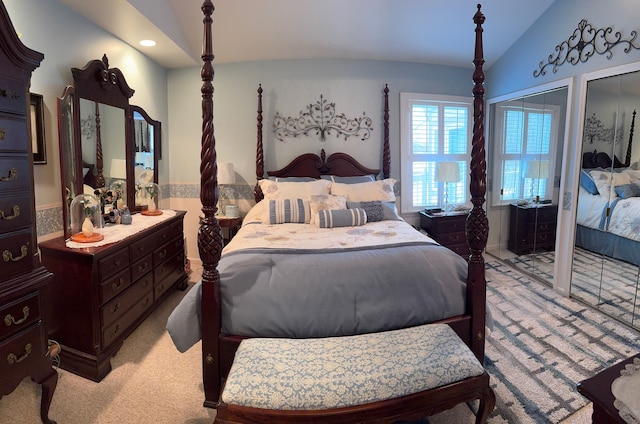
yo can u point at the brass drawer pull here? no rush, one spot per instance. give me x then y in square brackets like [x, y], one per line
[116, 329]
[163, 253]
[145, 302]
[3, 133]
[7, 92]
[8, 256]
[16, 213]
[12, 358]
[142, 267]
[13, 174]
[9, 319]
[116, 285]
[115, 307]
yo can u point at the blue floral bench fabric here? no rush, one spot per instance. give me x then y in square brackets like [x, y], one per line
[337, 372]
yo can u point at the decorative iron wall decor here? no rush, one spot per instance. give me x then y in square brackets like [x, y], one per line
[595, 131]
[321, 119]
[584, 43]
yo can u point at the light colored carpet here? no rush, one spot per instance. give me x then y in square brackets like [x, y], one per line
[152, 382]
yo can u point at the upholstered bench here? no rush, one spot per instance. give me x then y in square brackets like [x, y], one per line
[380, 377]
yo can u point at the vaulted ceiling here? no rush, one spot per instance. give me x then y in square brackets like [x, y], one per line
[423, 31]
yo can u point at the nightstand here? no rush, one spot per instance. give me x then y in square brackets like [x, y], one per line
[448, 229]
[231, 224]
[532, 228]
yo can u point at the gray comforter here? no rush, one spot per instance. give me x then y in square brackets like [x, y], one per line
[317, 293]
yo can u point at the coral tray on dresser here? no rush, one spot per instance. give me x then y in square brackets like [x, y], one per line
[101, 293]
[23, 280]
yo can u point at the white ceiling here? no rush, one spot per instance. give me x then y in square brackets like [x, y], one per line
[424, 31]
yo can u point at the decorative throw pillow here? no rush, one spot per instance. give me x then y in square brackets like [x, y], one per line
[341, 218]
[381, 190]
[586, 181]
[349, 180]
[376, 210]
[325, 202]
[607, 181]
[293, 190]
[282, 211]
[628, 190]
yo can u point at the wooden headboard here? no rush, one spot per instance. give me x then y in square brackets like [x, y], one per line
[313, 166]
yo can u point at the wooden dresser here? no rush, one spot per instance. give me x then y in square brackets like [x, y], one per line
[532, 228]
[23, 280]
[99, 295]
[448, 229]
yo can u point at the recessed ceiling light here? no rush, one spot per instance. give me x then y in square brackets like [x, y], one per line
[148, 43]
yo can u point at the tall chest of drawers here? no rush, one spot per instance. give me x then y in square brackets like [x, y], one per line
[23, 280]
[100, 295]
[532, 228]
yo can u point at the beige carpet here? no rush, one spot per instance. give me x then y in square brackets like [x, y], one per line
[151, 382]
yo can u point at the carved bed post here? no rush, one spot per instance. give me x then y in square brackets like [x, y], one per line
[386, 154]
[477, 225]
[257, 191]
[209, 234]
[627, 160]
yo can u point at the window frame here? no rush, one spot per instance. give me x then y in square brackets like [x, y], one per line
[499, 157]
[407, 100]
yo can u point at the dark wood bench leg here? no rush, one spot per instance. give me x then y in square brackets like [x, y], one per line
[487, 403]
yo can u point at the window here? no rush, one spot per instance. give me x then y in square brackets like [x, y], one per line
[434, 129]
[525, 136]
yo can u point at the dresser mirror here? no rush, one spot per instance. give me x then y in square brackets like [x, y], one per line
[103, 139]
[606, 261]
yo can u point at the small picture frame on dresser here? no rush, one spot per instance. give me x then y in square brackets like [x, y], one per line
[36, 110]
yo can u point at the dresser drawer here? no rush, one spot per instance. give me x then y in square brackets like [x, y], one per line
[142, 248]
[13, 137]
[113, 263]
[22, 353]
[165, 251]
[15, 212]
[449, 239]
[120, 326]
[19, 314]
[121, 304]
[115, 285]
[170, 275]
[12, 95]
[17, 250]
[141, 267]
[15, 173]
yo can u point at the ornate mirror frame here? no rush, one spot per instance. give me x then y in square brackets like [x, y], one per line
[109, 92]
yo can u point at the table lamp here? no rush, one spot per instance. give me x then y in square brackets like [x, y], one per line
[536, 170]
[447, 172]
[226, 177]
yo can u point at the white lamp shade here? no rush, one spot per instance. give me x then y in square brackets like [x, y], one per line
[447, 172]
[118, 169]
[226, 174]
[537, 169]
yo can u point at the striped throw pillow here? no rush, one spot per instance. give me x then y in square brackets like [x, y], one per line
[283, 211]
[330, 218]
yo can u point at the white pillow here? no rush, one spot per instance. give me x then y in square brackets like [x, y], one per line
[273, 190]
[323, 202]
[607, 181]
[381, 190]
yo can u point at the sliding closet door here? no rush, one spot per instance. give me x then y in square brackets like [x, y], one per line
[528, 137]
[606, 265]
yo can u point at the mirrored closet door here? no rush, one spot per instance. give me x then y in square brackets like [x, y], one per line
[606, 263]
[527, 138]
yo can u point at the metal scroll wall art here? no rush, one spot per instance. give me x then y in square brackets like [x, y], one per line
[584, 43]
[595, 131]
[321, 119]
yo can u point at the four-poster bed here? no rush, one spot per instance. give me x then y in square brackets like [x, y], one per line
[609, 204]
[218, 347]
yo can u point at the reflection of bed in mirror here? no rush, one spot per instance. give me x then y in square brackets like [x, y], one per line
[608, 215]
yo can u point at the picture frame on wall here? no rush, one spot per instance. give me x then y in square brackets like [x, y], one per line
[37, 129]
